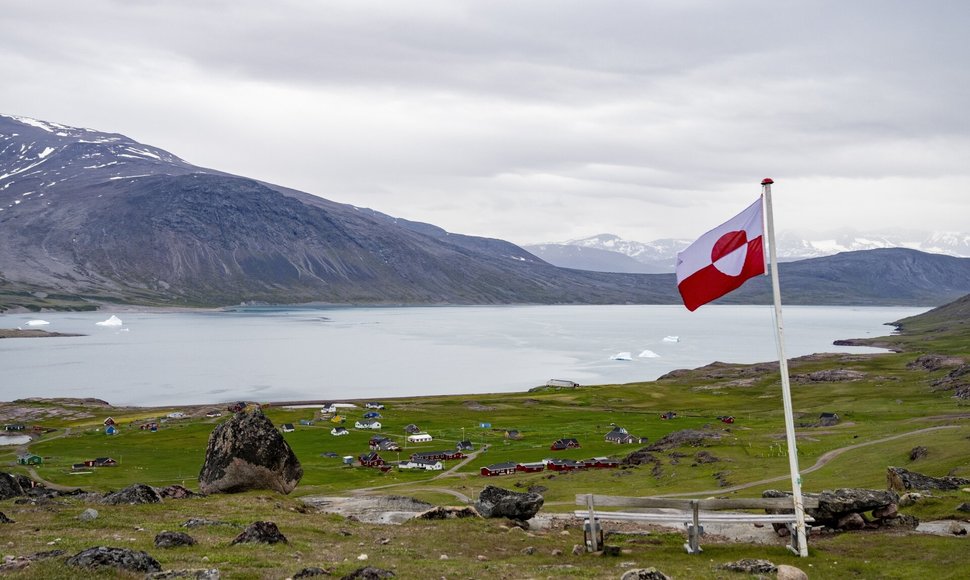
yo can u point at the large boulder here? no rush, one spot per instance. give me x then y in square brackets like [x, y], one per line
[835, 505]
[247, 452]
[133, 494]
[131, 560]
[260, 533]
[495, 502]
[901, 479]
[10, 486]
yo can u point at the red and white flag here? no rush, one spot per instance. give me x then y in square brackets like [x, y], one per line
[722, 259]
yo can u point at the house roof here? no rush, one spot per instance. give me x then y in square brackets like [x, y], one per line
[504, 465]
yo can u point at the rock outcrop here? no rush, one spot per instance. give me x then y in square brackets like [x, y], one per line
[261, 533]
[900, 479]
[247, 452]
[133, 494]
[853, 509]
[495, 502]
[10, 486]
[130, 560]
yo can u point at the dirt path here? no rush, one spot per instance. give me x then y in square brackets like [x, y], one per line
[36, 477]
[822, 462]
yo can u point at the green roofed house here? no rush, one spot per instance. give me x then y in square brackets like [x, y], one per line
[29, 459]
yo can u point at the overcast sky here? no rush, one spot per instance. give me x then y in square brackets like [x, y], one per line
[531, 121]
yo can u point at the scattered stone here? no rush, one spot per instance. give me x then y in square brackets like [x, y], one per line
[495, 502]
[137, 493]
[956, 379]
[248, 452]
[196, 573]
[610, 551]
[537, 488]
[369, 573]
[683, 438]
[644, 574]
[177, 492]
[908, 499]
[481, 558]
[12, 564]
[963, 507]
[199, 522]
[5, 520]
[918, 452]
[956, 529]
[529, 550]
[311, 572]
[851, 521]
[448, 513]
[703, 457]
[786, 572]
[123, 558]
[443, 557]
[260, 532]
[578, 550]
[889, 511]
[900, 522]
[900, 479]
[557, 552]
[46, 555]
[750, 566]
[88, 515]
[173, 539]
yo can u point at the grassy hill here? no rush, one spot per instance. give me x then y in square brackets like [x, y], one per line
[887, 403]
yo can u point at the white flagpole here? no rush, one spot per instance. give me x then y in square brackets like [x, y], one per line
[796, 478]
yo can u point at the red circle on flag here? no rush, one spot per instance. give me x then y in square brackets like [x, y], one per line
[728, 243]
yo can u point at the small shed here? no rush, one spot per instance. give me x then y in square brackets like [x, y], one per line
[110, 430]
[29, 459]
[828, 419]
[109, 421]
[513, 434]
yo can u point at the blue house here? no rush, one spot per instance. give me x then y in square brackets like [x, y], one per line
[110, 430]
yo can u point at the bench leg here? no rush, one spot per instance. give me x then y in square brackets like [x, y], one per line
[794, 547]
[592, 535]
[694, 533]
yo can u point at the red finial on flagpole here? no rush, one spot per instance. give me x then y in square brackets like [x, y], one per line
[767, 181]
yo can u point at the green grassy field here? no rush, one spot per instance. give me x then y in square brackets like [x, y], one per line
[884, 414]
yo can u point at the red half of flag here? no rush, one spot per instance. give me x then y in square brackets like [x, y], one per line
[722, 259]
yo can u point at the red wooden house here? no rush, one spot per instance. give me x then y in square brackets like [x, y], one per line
[371, 459]
[507, 468]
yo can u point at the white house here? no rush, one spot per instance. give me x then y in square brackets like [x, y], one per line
[419, 464]
[176, 415]
[368, 424]
[337, 431]
[419, 438]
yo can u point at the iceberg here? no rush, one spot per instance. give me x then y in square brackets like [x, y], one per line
[621, 356]
[113, 321]
[37, 323]
[671, 339]
[649, 354]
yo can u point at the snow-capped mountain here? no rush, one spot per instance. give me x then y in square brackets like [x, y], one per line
[660, 255]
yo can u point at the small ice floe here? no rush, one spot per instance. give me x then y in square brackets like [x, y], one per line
[113, 321]
[622, 356]
[37, 323]
[649, 354]
[671, 339]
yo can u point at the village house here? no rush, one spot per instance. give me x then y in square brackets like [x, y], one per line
[560, 444]
[427, 465]
[338, 431]
[287, 428]
[601, 463]
[531, 467]
[110, 430]
[373, 405]
[372, 415]
[726, 419]
[101, 462]
[563, 465]
[306, 422]
[669, 415]
[513, 434]
[412, 429]
[15, 427]
[153, 426]
[620, 436]
[371, 459]
[176, 415]
[363, 424]
[213, 414]
[109, 421]
[237, 407]
[388, 445]
[445, 455]
[338, 419]
[561, 383]
[507, 468]
[29, 459]
[420, 438]
[465, 445]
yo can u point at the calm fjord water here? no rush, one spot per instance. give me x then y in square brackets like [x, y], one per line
[341, 353]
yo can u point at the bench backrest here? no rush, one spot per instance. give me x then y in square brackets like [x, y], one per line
[740, 503]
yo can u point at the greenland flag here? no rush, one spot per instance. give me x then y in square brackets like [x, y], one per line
[722, 259]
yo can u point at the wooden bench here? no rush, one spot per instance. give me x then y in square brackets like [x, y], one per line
[688, 512]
